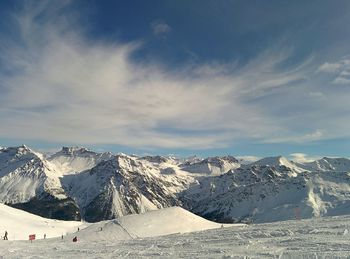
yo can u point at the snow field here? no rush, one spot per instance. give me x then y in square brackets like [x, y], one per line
[311, 238]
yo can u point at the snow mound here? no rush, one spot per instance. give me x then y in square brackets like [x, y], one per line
[164, 222]
[150, 224]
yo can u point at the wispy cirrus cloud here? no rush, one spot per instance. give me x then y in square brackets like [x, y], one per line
[62, 87]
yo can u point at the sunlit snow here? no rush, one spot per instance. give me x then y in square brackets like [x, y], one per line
[312, 238]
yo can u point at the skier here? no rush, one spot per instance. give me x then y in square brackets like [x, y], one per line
[5, 236]
[75, 239]
[44, 236]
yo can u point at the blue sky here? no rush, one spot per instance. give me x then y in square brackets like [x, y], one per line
[253, 78]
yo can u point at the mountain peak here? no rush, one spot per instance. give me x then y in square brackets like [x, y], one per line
[156, 159]
[330, 164]
[271, 161]
[74, 150]
[279, 161]
[18, 151]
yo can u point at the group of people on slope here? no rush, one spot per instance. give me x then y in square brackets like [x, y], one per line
[75, 239]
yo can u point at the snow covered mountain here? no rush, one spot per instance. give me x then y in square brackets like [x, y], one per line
[211, 165]
[270, 193]
[78, 183]
[28, 182]
[124, 185]
[76, 159]
[329, 164]
[76, 180]
[279, 161]
[322, 165]
[159, 159]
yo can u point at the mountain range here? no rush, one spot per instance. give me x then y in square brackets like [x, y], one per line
[76, 183]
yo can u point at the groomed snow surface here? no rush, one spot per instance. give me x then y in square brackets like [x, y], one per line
[169, 233]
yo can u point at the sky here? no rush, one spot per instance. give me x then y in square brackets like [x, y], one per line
[246, 78]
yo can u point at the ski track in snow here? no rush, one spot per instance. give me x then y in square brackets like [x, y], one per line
[312, 238]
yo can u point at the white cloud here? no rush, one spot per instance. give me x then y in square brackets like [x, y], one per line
[303, 158]
[160, 28]
[344, 73]
[341, 80]
[340, 69]
[304, 138]
[330, 67]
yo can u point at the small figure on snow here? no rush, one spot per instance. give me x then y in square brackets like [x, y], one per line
[75, 239]
[44, 236]
[5, 236]
[78, 229]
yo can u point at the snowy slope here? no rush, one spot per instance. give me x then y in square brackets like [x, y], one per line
[20, 224]
[164, 222]
[150, 224]
[313, 238]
